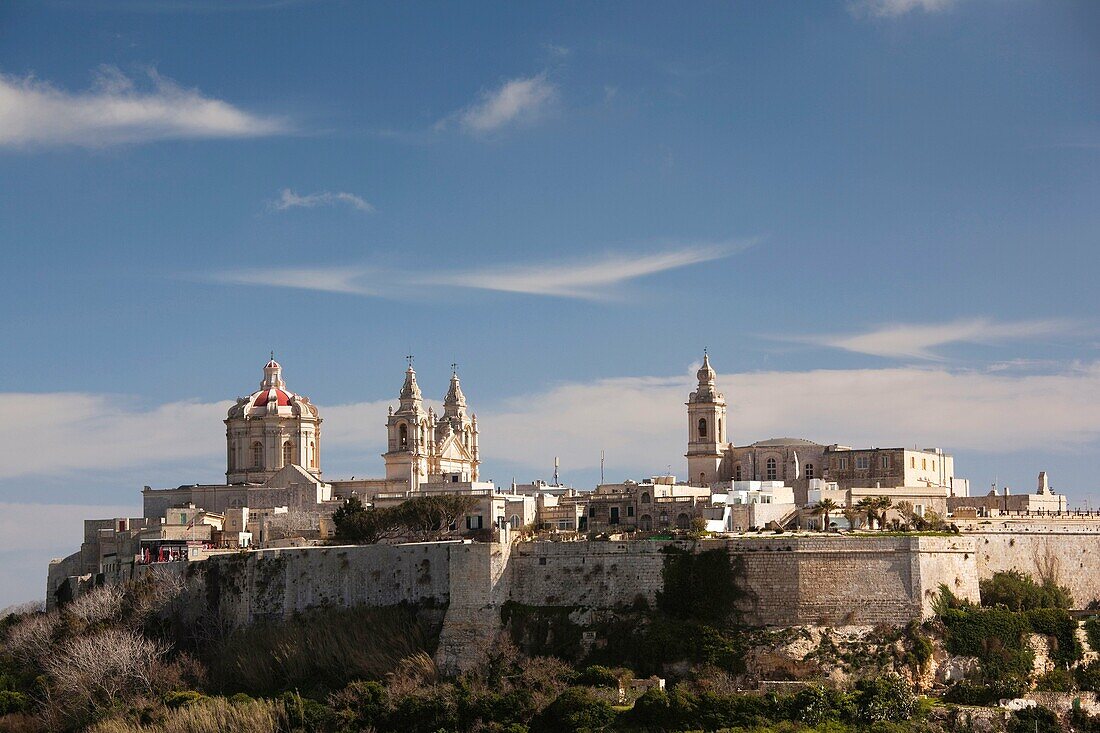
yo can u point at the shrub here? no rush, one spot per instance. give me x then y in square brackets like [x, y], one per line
[181, 698]
[995, 636]
[1056, 680]
[598, 676]
[1034, 720]
[651, 710]
[973, 693]
[575, 709]
[815, 704]
[1088, 676]
[1019, 592]
[887, 698]
[13, 702]
[1059, 625]
[1092, 631]
[360, 705]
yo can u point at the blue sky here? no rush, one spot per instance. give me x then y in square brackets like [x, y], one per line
[879, 216]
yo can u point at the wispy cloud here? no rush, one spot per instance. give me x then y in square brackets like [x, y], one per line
[323, 279]
[114, 111]
[289, 200]
[517, 100]
[920, 341]
[895, 8]
[590, 279]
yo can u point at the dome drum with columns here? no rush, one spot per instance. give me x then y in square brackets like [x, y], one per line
[270, 429]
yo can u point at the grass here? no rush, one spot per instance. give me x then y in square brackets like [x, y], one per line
[213, 715]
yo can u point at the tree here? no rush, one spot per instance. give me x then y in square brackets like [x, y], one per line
[866, 507]
[825, 507]
[424, 516]
[881, 505]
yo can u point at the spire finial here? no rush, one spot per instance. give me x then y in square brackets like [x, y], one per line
[409, 358]
[273, 355]
[454, 369]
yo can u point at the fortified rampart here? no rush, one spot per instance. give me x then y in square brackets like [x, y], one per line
[786, 580]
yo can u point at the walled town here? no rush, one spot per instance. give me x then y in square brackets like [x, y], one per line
[821, 559]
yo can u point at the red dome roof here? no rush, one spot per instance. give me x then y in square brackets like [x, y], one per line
[266, 395]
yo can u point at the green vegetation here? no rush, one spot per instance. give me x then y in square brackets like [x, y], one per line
[425, 517]
[1018, 592]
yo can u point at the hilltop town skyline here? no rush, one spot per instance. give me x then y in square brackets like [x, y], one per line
[876, 216]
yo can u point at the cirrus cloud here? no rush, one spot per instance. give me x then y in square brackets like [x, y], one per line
[113, 111]
[290, 200]
[516, 100]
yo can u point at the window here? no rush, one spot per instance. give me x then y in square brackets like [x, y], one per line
[454, 478]
[885, 462]
[809, 470]
[843, 464]
[718, 435]
[473, 521]
[312, 455]
[737, 472]
[592, 511]
[772, 472]
[514, 521]
[288, 453]
[645, 497]
[702, 479]
[924, 464]
[232, 456]
[403, 436]
[614, 515]
[863, 462]
[683, 521]
[562, 524]
[630, 511]
[912, 461]
[645, 523]
[702, 428]
[933, 465]
[664, 519]
[257, 454]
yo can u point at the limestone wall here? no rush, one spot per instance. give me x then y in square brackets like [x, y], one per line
[1069, 556]
[789, 580]
[236, 590]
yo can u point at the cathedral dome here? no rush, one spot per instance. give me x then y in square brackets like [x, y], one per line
[272, 398]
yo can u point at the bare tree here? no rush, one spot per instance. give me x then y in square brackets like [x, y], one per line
[31, 640]
[102, 603]
[97, 670]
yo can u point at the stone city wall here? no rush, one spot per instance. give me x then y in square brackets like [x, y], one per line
[788, 580]
[1068, 556]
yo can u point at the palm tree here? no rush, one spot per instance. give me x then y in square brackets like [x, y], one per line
[826, 507]
[882, 504]
[866, 506]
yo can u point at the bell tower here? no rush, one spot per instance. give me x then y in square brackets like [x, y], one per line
[411, 434]
[706, 427]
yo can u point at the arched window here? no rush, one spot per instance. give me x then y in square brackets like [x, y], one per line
[288, 453]
[466, 437]
[513, 521]
[702, 479]
[232, 457]
[403, 434]
[683, 521]
[771, 470]
[645, 523]
[257, 454]
[718, 434]
[810, 470]
[645, 497]
[702, 427]
[737, 472]
[312, 455]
